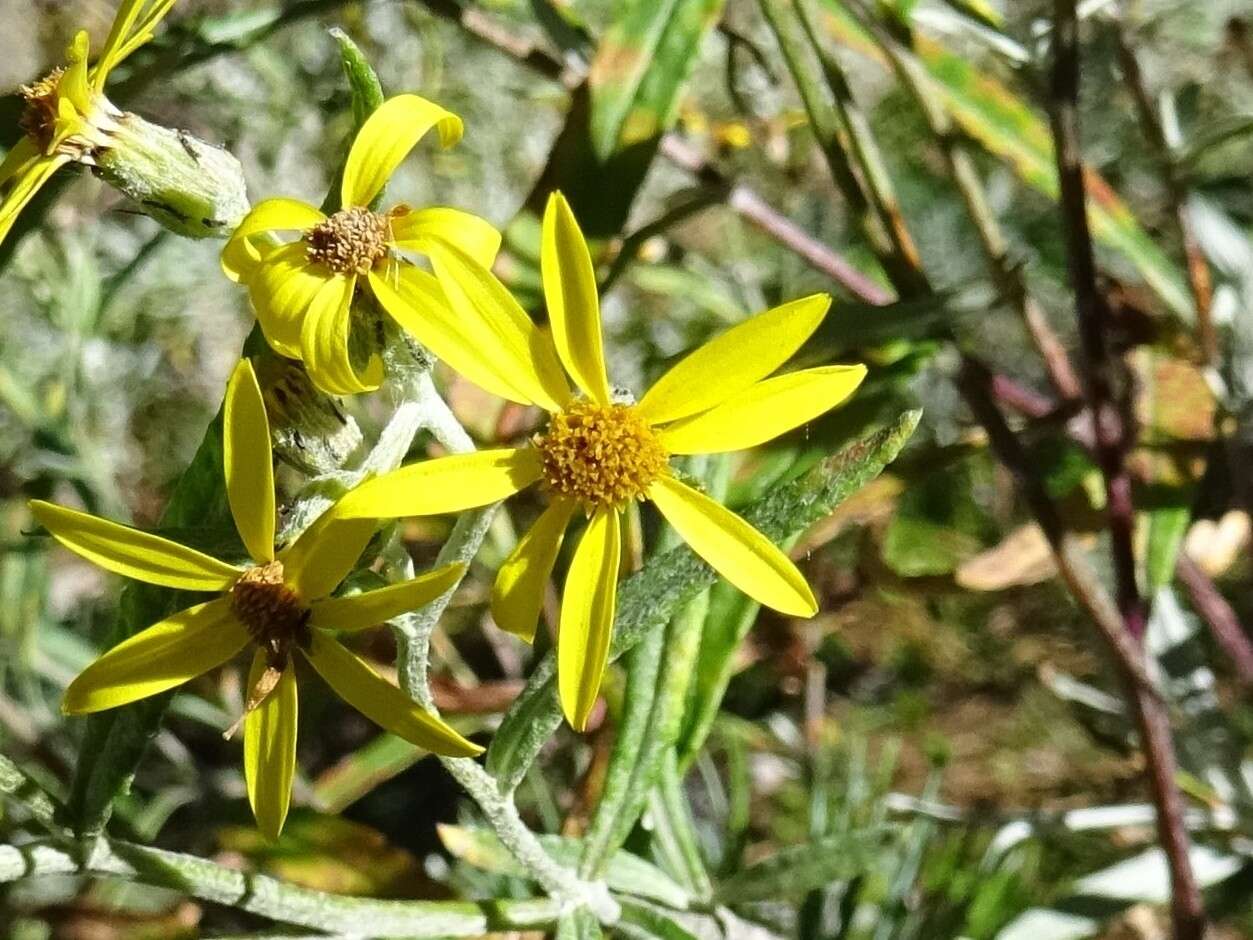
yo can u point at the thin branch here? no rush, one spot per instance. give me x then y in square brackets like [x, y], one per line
[1114, 434]
[1214, 610]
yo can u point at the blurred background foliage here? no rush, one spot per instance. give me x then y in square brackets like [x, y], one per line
[948, 730]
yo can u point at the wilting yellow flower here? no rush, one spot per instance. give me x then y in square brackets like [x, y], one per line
[302, 291]
[280, 604]
[190, 187]
[600, 451]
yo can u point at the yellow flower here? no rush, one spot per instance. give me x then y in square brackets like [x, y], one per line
[302, 291]
[600, 450]
[280, 604]
[66, 117]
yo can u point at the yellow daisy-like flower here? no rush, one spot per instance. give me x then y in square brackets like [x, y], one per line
[280, 604]
[302, 291]
[67, 117]
[600, 451]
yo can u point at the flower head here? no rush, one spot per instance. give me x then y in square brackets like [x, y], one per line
[280, 605]
[303, 290]
[598, 453]
[185, 184]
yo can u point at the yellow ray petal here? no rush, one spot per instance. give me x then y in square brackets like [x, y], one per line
[573, 303]
[733, 361]
[526, 355]
[19, 158]
[360, 611]
[763, 411]
[734, 548]
[386, 139]
[249, 463]
[445, 484]
[587, 610]
[167, 654]
[243, 249]
[270, 748]
[518, 595]
[365, 690]
[282, 288]
[139, 555]
[324, 342]
[74, 86]
[26, 182]
[469, 344]
[324, 553]
[414, 228]
[129, 32]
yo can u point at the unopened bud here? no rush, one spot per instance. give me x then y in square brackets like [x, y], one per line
[189, 186]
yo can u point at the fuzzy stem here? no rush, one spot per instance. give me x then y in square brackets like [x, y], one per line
[415, 629]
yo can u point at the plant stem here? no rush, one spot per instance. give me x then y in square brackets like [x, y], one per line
[415, 631]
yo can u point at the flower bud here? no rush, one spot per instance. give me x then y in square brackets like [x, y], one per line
[189, 186]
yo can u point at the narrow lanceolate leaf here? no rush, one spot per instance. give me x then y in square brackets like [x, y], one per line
[115, 740]
[643, 61]
[578, 924]
[797, 870]
[616, 119]
[648, 599]
[367, 95]
[1007, 127]
[625, 874]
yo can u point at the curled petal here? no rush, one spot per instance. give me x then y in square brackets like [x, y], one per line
[386, 139]
[733, 361]
[134, 554]
[369, 693]
[324, 342]
[763, 411]
[282, 288]
[734, 548]
[166, 655]
[414, 228]
[244, 249]
[587, 611]
[249, 462]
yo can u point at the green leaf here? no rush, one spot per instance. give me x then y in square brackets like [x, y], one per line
[617, 118]
[799, 869]
[1007, 127]
[114, 741]
[578, 924]
[731, 616]
[643, 60]
[645, 922]
[367, 95]
[648, 599]
[625, 874]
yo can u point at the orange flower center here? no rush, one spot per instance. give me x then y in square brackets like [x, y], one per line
[270, 610]
[601, 455]
[39, 115]
[352, 241]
